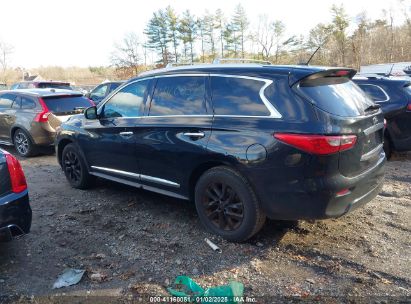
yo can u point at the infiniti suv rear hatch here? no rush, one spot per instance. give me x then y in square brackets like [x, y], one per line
[346, 110]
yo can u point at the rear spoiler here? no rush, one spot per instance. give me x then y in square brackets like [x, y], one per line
[332, 72]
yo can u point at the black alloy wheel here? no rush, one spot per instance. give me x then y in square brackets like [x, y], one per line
[222, 206]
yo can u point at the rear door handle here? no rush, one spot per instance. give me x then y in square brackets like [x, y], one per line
[126, 134]
[194, 134]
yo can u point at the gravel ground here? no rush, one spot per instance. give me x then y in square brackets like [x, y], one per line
[133, 243]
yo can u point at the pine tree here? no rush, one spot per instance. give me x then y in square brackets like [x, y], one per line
[240, 24]
[188, 30]
[173, 24]
[158, 35]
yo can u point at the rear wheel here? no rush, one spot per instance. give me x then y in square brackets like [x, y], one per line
[227, 205]
[23, 144]
[75, 168]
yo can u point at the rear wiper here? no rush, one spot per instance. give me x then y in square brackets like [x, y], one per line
[372, 107]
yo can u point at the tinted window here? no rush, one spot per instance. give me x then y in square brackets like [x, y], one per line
[16, 103]
[237, 96]
[183, 95]
[6, 101]
[336, 95]
[27, 103]
[114, 86]
[44, 85]
[375, 92]
[64, 104]
[126, 102]
[100, 91]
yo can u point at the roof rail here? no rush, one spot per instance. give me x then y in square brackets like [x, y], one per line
[243, 60]
[173, 64]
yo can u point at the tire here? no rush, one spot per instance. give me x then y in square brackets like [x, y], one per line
[75, 169]
[227, 205]
[387, 147]
[23, 144]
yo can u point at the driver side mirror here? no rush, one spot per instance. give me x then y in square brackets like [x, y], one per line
[91, 113]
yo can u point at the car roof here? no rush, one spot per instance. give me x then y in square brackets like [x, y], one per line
[382, 79]
[45, 81]
[44, 92]
[295, 71]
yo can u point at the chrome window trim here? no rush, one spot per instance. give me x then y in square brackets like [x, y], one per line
[142, 177]
[273, 111]
[387, 98]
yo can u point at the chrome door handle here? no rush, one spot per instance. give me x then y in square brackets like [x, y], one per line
[126, 134]
[194, 134]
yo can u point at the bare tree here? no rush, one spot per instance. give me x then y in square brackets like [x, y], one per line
[269, 34]
[126, 56]
[5, 51]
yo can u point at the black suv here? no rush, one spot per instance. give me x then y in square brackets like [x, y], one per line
[245, 142]
[394, 97]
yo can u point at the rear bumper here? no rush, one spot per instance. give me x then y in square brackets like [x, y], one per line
[15, 215]
[317, 198]
[42, 134]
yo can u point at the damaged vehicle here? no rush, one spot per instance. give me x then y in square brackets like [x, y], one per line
[243, 141]
[15, 211]
[29, 117]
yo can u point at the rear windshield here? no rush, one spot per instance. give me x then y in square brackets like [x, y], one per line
[45, 85]
[336, 95]
[66, 104]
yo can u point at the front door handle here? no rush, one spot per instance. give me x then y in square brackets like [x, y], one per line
[194, 134]
[127, 134]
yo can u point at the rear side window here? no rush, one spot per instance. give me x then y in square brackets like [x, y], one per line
[237, 96]
[27, 103]
[127, 102]
[6, 101]
[336, 95]
[376, 93]
[64, 104]
[179, 95]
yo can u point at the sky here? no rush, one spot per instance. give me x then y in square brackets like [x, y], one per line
[82, 32]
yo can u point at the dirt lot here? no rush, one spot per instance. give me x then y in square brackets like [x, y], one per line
[139, 242]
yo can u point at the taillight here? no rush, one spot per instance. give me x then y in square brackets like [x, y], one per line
[409, 107]
[318, 144]
[43, 116]
[385, 123]
[17, 178]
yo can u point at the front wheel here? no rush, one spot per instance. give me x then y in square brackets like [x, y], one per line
[75, 168]
[227, 205]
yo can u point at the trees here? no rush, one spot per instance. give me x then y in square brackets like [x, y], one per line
[270, 34]
[173, 29]
[188, 31]
[219, 25]
[340, 24]
[126, 54]
[240, 24]
[5, 51]
[201, 38]
[158, 36]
